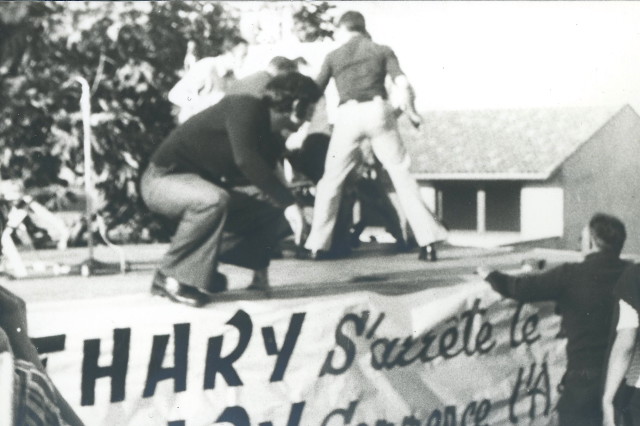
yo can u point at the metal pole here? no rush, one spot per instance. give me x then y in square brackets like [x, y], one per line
[85, 107]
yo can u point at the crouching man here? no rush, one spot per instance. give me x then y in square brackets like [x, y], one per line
[215, 175]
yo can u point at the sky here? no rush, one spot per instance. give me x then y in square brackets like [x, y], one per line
[482, 55]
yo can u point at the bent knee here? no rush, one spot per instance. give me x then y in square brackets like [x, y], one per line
[212, 200]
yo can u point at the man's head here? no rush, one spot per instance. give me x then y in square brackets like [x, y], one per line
[281, 65]
[291, 98]
[352, 21]
[236, 47]
[607, 233]
[350, 24]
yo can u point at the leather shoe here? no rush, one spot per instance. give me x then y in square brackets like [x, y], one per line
[175, 291]
[220, 284]
[428, 253]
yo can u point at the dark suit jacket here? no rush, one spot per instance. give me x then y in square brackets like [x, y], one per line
[584, 294]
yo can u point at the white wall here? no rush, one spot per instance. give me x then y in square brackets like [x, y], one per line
[428, 193]
[541, 210]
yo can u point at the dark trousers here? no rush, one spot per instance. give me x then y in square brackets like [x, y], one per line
[581, 399]
[627, 403]
[237, 226]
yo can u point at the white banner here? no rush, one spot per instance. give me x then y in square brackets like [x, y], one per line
[455, 355]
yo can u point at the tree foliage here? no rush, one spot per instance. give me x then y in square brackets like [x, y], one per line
[313, 21]
[131, 54]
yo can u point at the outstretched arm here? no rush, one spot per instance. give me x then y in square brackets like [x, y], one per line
[548, 285]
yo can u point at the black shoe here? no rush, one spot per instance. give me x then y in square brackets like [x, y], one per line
[220, 284]
[176, 292]
[428, 253]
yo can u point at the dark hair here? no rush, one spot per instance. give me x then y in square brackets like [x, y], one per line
[353, 21]
[284, 89]
[608, 232]
[283, 65]
[232, 42]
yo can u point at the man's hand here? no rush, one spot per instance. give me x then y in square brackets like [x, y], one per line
[405, 98]
[415, 118]
[298, 223]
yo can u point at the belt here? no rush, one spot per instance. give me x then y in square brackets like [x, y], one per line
[362, 99]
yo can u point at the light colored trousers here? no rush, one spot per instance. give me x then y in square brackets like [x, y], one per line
[376, 121]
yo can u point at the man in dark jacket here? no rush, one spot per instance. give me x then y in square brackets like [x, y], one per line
[584, 296]
[215, 174]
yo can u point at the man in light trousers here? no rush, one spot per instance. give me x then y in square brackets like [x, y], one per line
[359, 68]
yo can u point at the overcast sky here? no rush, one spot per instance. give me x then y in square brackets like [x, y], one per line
[512, 54]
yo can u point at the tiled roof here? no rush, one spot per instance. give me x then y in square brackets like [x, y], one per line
[505, 144]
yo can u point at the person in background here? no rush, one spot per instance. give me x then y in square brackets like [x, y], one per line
[359, 68]
[255, 84]
[215, 174]
[33, 397]
[585, 300]
[623, 366]
[206, 81]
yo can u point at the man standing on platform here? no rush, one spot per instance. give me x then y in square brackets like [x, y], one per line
[215, 174]
[359, 68]
[584, 296]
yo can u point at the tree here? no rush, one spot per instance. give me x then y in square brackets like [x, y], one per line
[132, 54]
[312, 21]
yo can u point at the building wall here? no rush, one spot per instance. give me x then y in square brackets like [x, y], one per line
[604, 176]
[541, 207]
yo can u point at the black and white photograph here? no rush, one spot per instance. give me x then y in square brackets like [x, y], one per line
[319, 213]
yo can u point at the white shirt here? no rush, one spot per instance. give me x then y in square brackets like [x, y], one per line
[627, 320]
[202, 86]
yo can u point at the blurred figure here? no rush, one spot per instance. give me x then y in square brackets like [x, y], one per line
[208, 79]
[256, 83]
[190, 57]
[584, 296]
[623, 366]
[215, 174]
[35, 400]
[359, 68]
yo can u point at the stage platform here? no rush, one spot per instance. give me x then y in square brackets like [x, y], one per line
[380, 335]
[373, 266]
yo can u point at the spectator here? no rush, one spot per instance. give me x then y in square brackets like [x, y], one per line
[256, 83]
[584, 296]
[207, 80]
[623, 366]
[36, 401]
